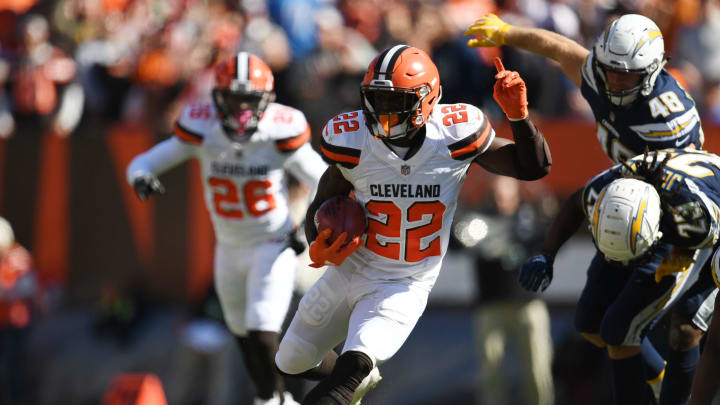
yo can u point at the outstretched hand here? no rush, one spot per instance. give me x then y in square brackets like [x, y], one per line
[323, 254]
[489, 30]
[147, 185]
[537, 273]
[510, 92]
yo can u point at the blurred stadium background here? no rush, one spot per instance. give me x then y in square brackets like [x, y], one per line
[125, 285]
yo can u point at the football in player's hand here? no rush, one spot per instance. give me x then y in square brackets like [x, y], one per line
[341, 214]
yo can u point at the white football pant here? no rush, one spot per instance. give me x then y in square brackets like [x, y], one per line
[372, 316]
[255, 285]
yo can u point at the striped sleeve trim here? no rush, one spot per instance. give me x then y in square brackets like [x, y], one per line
[187, 136]
[346, 157]
[294, 143]
[471, 145]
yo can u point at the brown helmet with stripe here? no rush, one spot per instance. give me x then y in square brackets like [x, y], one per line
[243, 89]
[399, 91]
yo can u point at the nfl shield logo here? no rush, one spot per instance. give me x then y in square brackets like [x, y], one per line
[405, 169]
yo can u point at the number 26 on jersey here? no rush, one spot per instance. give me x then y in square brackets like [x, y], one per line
[226, 197]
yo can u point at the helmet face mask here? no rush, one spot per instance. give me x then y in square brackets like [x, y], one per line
[240, 111]
[632, 44]
[615, 87]
[393, 110]
[242, 92]
[399, 91]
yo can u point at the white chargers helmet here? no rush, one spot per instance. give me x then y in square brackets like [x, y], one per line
[631, 44]
[625, 221]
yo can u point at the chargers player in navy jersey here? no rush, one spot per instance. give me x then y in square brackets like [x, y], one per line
[637, 104]
[654, 220]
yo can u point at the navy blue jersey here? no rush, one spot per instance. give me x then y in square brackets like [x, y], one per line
[691, 185]
[666, 118]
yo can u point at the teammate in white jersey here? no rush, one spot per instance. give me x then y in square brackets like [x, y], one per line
[404, 157]
[244, 143]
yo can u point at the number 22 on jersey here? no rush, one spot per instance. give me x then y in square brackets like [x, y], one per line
[385, 235]
[226, 197]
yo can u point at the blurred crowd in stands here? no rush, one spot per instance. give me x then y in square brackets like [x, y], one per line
[139, 61]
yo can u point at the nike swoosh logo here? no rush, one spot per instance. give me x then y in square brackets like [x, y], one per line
[682, 141]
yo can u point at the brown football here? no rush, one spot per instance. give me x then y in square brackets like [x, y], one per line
[341, 214]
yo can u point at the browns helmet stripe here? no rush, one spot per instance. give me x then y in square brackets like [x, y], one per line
[386, 62]
[243, 66]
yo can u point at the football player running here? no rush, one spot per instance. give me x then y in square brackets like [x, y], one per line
[654, 220]
[244, 142]
[404, 157]
[637, 104]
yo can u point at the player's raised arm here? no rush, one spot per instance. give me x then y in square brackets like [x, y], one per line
[143, 170]
[528, 158]
[491, 31]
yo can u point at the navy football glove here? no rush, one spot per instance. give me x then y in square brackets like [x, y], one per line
[147, 185]
[537, 273]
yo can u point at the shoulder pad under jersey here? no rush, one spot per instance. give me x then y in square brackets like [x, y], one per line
[466, 130]
[194, 121]
[285, 125]
[342, 139]
[670, 115]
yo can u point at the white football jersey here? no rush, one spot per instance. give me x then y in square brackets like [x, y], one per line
[410, 202]
[244, 184]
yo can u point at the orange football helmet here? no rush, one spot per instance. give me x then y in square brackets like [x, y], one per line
[399, 91]
[243, 89]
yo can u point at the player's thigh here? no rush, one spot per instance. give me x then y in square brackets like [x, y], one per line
[604, 283]
[319, 324]
[230, 276]
[643, 302]
[382, 320]
[269, 286]
[698, 303]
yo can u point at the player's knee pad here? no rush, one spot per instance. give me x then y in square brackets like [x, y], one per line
[684, 336]
[295, 356]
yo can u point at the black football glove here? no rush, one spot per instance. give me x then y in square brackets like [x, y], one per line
[537, 273]
[147, 185]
